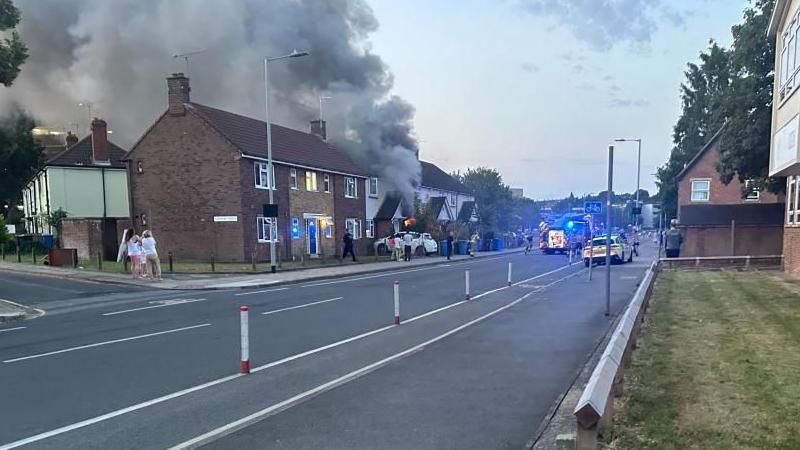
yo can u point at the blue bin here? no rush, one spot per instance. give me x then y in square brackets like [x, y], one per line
[497, 244]
[47, 241]
[462, 247]
[442, 248]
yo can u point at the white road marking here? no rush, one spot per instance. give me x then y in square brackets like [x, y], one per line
[299, 398]
[430, 313]
[12, 329]
[241, 284]
[306, 305]
[161, 305]
[165, 398]
[98, 344]
[262, 292]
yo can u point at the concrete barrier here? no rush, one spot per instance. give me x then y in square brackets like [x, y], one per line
[595, 408]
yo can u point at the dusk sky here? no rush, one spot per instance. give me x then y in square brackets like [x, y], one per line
[539, 88]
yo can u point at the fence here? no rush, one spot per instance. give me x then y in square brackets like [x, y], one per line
[594, 410]
[723, 262]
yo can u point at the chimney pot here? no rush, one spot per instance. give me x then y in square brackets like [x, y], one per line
[99, 141]
[319, 129]
[178, 93]
[71, 139]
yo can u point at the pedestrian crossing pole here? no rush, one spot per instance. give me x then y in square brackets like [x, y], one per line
[509, 273]
[397, 303]
[466, 283]
[244, 366]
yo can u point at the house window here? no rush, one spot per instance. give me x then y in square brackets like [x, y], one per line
[792, 191]
[753, 192]
[350, 187]
[326, 182]
[452, 199]
[262, 175]
[373, 187]
[354, 227]
[789, 61]
[370, 230]
[701, 190]
[267, 229]
[293, 178]
[327, 228]
[311, 181]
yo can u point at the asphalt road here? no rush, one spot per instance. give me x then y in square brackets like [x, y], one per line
[154, 369]
[38, 291]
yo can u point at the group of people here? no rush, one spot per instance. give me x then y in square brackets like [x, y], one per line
[141, 251]
[401, 247]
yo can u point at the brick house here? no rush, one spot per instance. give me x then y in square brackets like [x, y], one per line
[716, 220]
[199, 180]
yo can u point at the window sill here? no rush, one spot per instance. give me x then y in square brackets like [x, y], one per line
[264, 188]
[348, 196]
[787, 96]
[373, 195]
[262, 241]
[699, 201]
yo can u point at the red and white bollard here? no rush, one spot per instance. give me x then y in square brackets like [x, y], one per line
[245, 364]
[397, 303]
[509, 273]
[466, 284]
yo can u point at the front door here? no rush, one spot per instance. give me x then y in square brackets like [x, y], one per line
[313, 238]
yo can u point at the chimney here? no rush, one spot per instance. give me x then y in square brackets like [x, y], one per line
[71, 139]
[99, 141]
[178, 93]
[318, 129]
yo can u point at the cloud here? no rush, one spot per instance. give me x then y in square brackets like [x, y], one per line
[614, 88]
[602, 24]
[608, 78]
[530, 68]
[621, 102]
[586, 86]
[578, 68]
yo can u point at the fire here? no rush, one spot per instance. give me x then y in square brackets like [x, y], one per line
[409, 222]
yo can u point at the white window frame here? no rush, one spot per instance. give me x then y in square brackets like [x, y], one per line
[311, 181]
[262, 228]
[789, 61]
[753, 195]
[262, 171]
[369, 230]
[350, 182]
[354, 227]
[326, 183]
[292, 178]
[452, 198]
[373, 182]
[694, 190]
[792, 197]
[327, 230]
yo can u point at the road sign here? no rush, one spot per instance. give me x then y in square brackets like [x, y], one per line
[592, 207]
[226, 218]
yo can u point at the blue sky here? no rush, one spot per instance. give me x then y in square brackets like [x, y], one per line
[538, 88]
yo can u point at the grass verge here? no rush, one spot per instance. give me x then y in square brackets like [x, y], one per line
[718, 366]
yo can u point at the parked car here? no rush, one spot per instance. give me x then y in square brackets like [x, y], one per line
[423, 244]
[596, 252]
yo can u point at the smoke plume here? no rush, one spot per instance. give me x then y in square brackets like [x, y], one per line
[115, 55]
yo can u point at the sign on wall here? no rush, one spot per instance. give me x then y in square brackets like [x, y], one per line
[226, 218]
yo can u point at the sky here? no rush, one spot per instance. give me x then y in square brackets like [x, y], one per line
[538, 89]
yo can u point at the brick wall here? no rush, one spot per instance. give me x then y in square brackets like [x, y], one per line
[716, 240]
[350, 208]
[302, 202]
[791, 250]
[720, 194]
[252, 202]
[190, 174]
[85, 235]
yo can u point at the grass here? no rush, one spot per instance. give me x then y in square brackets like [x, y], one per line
[718, 366]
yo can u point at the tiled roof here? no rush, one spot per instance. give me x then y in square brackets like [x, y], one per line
[700, 153]
[288, 145]
[436, 204]
[434, 177]
[80, 154]
[388, 207]
[466, 211]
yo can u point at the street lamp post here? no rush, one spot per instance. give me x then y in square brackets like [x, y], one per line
[270, 169]
[638, 172]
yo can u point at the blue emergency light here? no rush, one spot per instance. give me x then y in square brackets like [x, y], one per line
[570, 225]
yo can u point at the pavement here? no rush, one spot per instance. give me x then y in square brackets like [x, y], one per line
[141, 368]
[211, 281]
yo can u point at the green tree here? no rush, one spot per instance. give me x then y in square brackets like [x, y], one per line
[492, 198]
[704, 111]
[745, 144]
[20, 156]
[13, 52]
[3, 232]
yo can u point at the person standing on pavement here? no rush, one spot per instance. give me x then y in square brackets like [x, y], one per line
[450, 241]
[408, 239]
[348, 246]
[473, 244]
[135, 254]
[152, 265]
[673, 240]
[529, 238]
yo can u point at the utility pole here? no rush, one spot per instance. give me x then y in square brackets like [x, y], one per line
[609, 195]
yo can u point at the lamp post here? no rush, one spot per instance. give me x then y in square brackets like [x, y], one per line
[638, 172]
[270, 169]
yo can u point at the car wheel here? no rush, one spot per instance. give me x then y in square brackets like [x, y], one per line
[586, 262]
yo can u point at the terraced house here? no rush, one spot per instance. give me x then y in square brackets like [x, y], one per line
[199, 179]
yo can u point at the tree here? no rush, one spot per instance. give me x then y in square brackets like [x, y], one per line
[3, 232]
[492, 198]
[704, 111]
[55, 220]
[20, 156]
[13, 52]
[745, 144]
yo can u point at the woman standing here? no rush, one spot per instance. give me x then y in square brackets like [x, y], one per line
[134, 253]
[151, 261]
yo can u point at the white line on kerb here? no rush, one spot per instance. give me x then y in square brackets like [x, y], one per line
[98, 344]
[299, 398]
[163, 305]
[261, 292]
[306, 305]
[12, 329]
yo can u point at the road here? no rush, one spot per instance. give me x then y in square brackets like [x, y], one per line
[140, 368]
